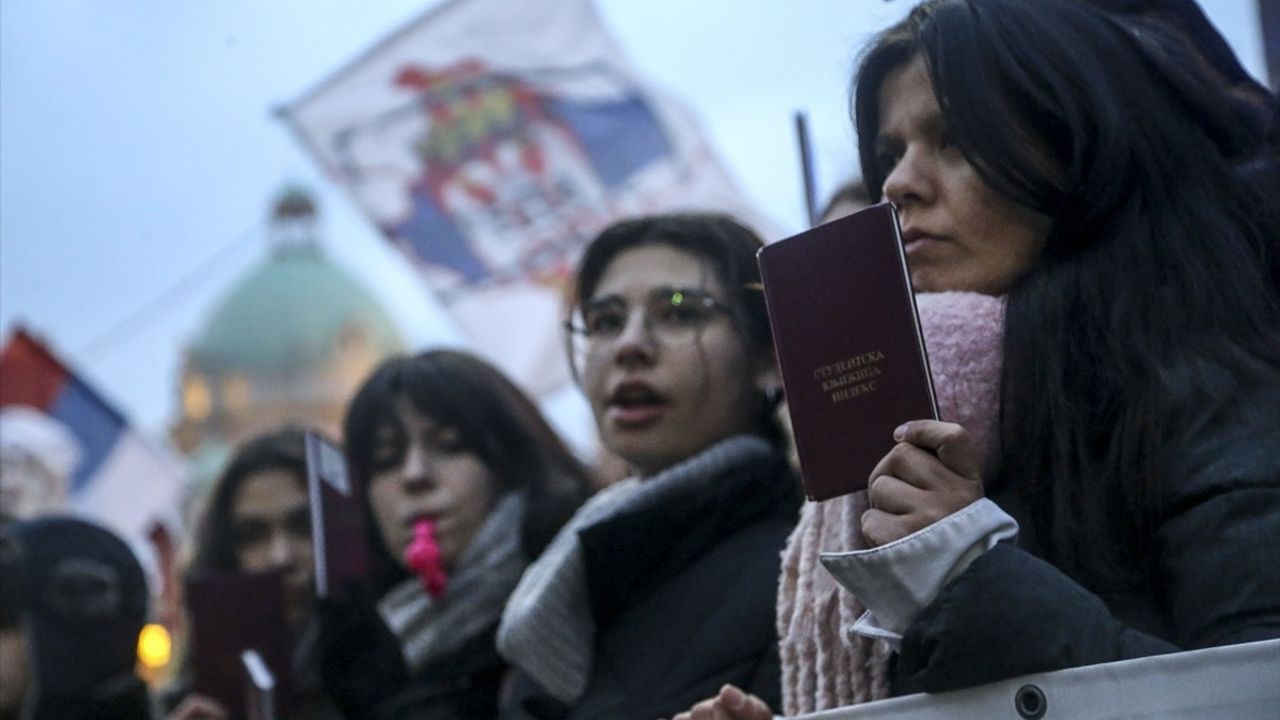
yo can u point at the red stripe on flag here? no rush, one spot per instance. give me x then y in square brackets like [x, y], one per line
[29, 374]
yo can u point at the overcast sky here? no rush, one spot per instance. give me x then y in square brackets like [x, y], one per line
[137, 142]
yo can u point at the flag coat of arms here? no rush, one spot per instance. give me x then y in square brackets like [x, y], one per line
[489, 140]
[119, 479]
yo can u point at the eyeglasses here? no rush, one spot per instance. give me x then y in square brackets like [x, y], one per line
[671, 316]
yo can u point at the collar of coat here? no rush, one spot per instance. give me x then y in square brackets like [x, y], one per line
[626, 541]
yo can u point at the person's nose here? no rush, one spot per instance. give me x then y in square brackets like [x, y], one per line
[911, 180]
[417, 469]
[636, 343]
[282, 549]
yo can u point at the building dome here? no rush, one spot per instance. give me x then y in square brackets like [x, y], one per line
[293, 311]
[290, 342]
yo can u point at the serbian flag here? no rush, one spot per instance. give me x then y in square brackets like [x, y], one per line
[488, 141]
[119, 481]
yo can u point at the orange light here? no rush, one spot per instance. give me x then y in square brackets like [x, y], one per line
[155, 647]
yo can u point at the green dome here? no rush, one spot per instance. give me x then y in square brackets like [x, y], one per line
[291, 312]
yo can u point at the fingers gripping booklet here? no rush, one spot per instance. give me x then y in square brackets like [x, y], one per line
[849, 345]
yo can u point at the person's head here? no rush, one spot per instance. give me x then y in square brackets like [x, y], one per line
[847, 199]
[670, 338]
[84, 604]
[1005, 132]
[442, 436]
[38, 456]
[257, 516]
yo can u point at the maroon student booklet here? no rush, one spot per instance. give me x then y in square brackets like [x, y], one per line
[849, 345]
[337, 521]
[231, 613]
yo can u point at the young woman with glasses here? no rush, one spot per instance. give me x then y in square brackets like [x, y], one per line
[662, 587]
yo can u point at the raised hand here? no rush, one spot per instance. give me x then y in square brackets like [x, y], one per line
[198, 707]
[730, 704]
[932, 472]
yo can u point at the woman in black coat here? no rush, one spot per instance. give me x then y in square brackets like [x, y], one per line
[1084, 163]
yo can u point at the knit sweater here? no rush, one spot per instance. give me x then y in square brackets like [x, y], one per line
[824, 665]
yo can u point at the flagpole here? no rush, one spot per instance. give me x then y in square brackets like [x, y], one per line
[806, 166]
[1269, 20]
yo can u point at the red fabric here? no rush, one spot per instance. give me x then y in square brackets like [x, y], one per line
[29, 374]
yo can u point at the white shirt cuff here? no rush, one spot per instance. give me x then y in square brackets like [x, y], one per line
[899, 579]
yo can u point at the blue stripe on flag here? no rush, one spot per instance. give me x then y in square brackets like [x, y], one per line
[620, 137]
[95, 425]
[436, 239]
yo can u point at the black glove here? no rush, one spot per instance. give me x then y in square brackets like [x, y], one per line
[361, 664]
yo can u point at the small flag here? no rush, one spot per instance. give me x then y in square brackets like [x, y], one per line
[119, 479]
[489, 140]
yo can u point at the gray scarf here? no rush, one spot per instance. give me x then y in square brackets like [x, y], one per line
[547, 629]
[430, 629]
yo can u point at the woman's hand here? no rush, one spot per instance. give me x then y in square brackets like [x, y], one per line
[730, 704]
[932, 472]
[198, 707]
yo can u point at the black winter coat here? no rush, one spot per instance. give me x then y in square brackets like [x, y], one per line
[1212, 577]
[366, 676]
[683, 601]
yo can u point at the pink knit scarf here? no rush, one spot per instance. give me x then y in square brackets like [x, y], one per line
[825, 666]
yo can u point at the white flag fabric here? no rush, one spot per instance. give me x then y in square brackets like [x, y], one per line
[489, 140]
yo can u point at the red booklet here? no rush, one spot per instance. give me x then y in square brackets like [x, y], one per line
[849, 345]
[337, 521]
[232, 613]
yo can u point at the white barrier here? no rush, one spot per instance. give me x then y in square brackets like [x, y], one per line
[1235, 682]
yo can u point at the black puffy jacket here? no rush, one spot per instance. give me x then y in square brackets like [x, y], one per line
[1211, 577]
[683, 601]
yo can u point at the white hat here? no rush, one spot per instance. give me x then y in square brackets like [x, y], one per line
[30, 434]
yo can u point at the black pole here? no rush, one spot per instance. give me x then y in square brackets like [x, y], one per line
[1269, 17]
[806, 167]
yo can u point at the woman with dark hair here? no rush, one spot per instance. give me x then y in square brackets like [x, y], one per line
[257, 518]
[442, 439]
[1044, 150]
[661, 588]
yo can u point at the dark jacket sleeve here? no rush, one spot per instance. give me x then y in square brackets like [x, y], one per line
[1216, 581]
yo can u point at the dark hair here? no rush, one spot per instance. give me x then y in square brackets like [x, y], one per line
[495, 420]
[283, 449]
[729, 247]
[1150, 301]
[1243, 116]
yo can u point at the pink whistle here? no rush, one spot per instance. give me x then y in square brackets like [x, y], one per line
[423, 557]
